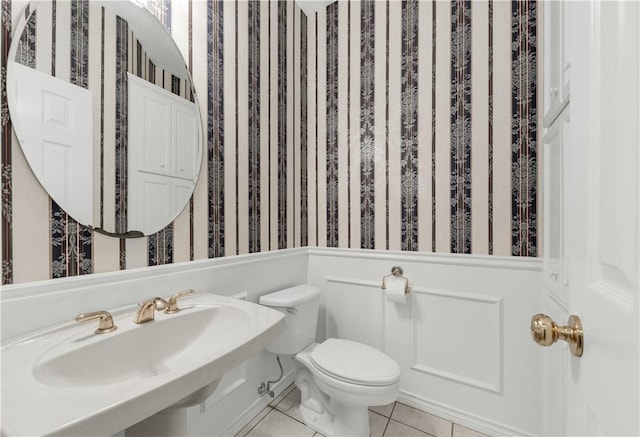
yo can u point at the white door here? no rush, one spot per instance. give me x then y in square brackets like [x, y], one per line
[52, 119]
[601, 221]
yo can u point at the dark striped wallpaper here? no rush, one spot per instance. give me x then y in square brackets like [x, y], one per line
[254, 128]
[461, 116]
[5, 151]
[215, 129]
[409, 181]
[429, 164]
[367, 126]
[332, 182]
[376, 124]
[524, 128]
[282, 157]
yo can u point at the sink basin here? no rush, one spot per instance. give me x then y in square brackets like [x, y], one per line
[131, 354]
[80, 383]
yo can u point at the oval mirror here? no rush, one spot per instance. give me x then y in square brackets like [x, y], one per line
[105, 112]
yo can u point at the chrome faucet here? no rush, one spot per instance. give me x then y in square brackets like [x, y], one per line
[147, 310]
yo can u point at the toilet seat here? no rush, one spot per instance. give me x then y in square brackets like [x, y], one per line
[355, 363]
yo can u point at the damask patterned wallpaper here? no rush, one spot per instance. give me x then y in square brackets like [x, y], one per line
[426, 134]
[386, 125]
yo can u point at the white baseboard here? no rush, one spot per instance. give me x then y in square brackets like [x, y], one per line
[459, 417]
[258, 405]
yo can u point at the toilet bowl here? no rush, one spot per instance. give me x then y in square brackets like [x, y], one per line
[338, 379]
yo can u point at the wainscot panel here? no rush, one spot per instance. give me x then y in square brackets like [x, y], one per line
[462, 339]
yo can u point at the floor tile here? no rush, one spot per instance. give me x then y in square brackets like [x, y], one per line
[377, 424]
[461, 431]
[277, 424]
[282, 395]
[253, 422]
[285, 419]
[423, 421]
[385, 410]
[397, 429]
[290, 405]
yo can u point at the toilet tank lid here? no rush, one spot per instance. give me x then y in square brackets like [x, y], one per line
[290, 297]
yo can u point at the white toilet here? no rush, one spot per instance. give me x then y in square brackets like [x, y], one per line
[338, 379]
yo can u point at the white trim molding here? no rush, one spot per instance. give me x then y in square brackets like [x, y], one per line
[503, 262]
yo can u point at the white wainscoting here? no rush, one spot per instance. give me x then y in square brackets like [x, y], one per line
[462, 340]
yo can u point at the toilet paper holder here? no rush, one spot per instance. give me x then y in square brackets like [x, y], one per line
[397, 272]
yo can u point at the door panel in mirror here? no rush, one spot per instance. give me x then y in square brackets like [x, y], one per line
[184, 120]
[154, 117]
[155, 204]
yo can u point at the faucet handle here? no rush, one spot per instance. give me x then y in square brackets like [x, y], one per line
[173, 301]
[106, 321]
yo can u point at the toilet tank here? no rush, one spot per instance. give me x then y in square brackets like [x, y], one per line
[300, 305]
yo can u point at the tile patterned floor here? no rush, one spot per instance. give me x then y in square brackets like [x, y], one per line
[282, 418]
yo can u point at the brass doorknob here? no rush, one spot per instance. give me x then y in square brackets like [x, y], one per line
[545, 332]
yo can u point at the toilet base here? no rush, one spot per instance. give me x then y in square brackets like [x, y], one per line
[327, 417]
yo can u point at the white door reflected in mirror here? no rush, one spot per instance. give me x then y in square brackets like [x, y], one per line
[53, 119]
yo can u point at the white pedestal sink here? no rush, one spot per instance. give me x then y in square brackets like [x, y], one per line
[80, 383]
[172, 421]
